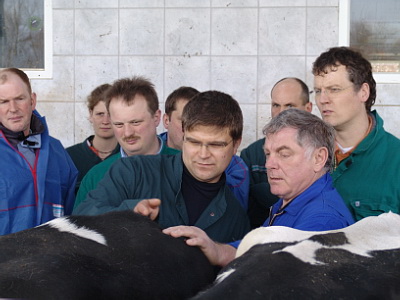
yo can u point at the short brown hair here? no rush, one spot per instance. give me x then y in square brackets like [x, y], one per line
[183, 92]
[213, 108]
[128, 88]
[97, 95]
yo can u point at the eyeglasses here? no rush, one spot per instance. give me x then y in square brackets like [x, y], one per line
[212, 147]
[329, 92]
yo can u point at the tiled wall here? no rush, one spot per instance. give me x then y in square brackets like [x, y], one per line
[241, 47]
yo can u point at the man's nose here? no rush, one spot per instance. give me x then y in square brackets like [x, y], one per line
[204, 151]
[323, 97]
[128, 130]
[106, 119]
[13, 106]
[270, 162]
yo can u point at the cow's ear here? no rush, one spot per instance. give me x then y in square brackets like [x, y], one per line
[320, 156]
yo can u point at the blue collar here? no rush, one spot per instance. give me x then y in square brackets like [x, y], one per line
[298, 203]
[123, 154]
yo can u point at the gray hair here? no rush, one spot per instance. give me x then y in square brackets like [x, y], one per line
[312, 132]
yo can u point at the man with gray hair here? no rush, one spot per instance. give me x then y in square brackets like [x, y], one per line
[299, 154]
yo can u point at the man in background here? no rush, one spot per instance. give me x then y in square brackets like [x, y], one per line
[102, 144]
[287, 93]
[134, 113]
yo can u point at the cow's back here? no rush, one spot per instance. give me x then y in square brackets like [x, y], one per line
[358, 262]
[113, 256]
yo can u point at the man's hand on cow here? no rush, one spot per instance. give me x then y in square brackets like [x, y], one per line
[218, 254]
[148, 207]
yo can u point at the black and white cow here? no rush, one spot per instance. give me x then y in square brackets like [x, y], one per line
[358, 262]
[119, 255]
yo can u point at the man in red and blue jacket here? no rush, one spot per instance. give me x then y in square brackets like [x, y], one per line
[37, 176]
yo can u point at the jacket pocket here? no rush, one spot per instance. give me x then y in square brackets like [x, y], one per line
[366, 208]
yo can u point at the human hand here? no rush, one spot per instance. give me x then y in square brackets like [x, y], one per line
[217, 254]
[148, 207]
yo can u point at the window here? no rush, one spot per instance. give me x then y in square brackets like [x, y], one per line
[373, 28]
[26, 36]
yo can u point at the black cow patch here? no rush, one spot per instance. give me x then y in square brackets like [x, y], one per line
[119, 255]
[332, 239]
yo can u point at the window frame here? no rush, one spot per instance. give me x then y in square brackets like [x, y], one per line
[344, 40]
[47, 71]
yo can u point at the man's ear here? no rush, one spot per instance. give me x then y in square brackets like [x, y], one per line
[236, 145]
[320, 156]
[364, 92]
[157, 117]
[308, 107]
[165, 121]
[33, 98]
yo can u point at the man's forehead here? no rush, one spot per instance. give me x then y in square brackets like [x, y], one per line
[332, 70]
[296, 102]
[283, 136]
[207, 131]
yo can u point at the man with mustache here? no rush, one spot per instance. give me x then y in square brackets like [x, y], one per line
[189, 188]
[134, 113]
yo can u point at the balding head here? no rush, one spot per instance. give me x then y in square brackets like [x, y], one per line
[290, 92]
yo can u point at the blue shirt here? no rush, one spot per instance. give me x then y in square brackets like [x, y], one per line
[318, 208]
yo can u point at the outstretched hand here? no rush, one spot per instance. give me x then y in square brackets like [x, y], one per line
[148, 207]
[217, 254]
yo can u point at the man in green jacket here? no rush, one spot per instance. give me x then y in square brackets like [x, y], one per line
[367, 160]
[188, 188]
[134, 113]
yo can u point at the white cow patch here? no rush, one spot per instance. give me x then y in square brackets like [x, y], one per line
[64, 225]
[224, 275]
[368, 234]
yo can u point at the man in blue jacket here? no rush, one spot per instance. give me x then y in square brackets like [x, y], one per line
[299, 151]
[289, 92]
[37, 176]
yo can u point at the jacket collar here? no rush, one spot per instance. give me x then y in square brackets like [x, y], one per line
[297, 204]
[377, 127]
[32, 140]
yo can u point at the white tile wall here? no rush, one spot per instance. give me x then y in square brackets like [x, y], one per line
[239, 47]
[91, 71]
[96, 32]
[141, 31]
[237, 76]
[187, 31]
[234, 31]
[282, 31]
